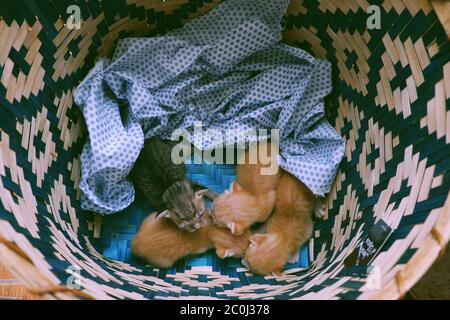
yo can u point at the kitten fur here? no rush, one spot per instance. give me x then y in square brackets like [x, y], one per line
[288, 228]
[161, 243]
[251, 197]
[165, 185]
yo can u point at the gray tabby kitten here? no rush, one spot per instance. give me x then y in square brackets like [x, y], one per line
[166, 186]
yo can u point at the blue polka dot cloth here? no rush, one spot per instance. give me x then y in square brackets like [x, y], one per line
[228, 70]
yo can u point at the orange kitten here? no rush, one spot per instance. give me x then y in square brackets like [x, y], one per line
[288, 228]
[161, 243]
[251, 197]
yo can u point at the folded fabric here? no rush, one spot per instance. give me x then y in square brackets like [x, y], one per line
[226, 69]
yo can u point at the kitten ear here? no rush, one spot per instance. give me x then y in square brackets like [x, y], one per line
[221, 251]
[196, 186]
[199, 194]
[257, 239]
[235, 187]
[164, 214]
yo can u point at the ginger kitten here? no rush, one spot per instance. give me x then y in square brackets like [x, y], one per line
[288, 228]
[161, 243]
[251, 197]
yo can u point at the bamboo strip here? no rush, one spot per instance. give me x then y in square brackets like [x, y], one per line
[440, 106]
[442, 9]
[8, 42]
[414, 62]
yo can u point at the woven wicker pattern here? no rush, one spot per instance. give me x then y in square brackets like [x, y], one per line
[390, 101]
[11, 288]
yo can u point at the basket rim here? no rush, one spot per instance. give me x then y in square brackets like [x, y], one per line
[432, 249]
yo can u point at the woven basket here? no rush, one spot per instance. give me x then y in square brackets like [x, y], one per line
[390, 101]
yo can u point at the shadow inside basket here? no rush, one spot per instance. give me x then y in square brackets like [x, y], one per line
[118, 229]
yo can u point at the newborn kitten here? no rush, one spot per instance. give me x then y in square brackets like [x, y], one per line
[251, 197]
[161, 243]
[288, 228]
[165, 185]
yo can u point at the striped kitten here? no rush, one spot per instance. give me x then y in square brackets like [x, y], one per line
[166, 186]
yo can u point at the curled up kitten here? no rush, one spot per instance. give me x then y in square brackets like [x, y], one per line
[287, 229]
[161, 243]
[251, 197]
[166, 186]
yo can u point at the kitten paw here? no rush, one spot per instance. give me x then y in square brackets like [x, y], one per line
[236, 228]
[229, 253]
[223, 253]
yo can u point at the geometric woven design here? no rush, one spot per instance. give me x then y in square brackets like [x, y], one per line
[21, 81]
[390, 100]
